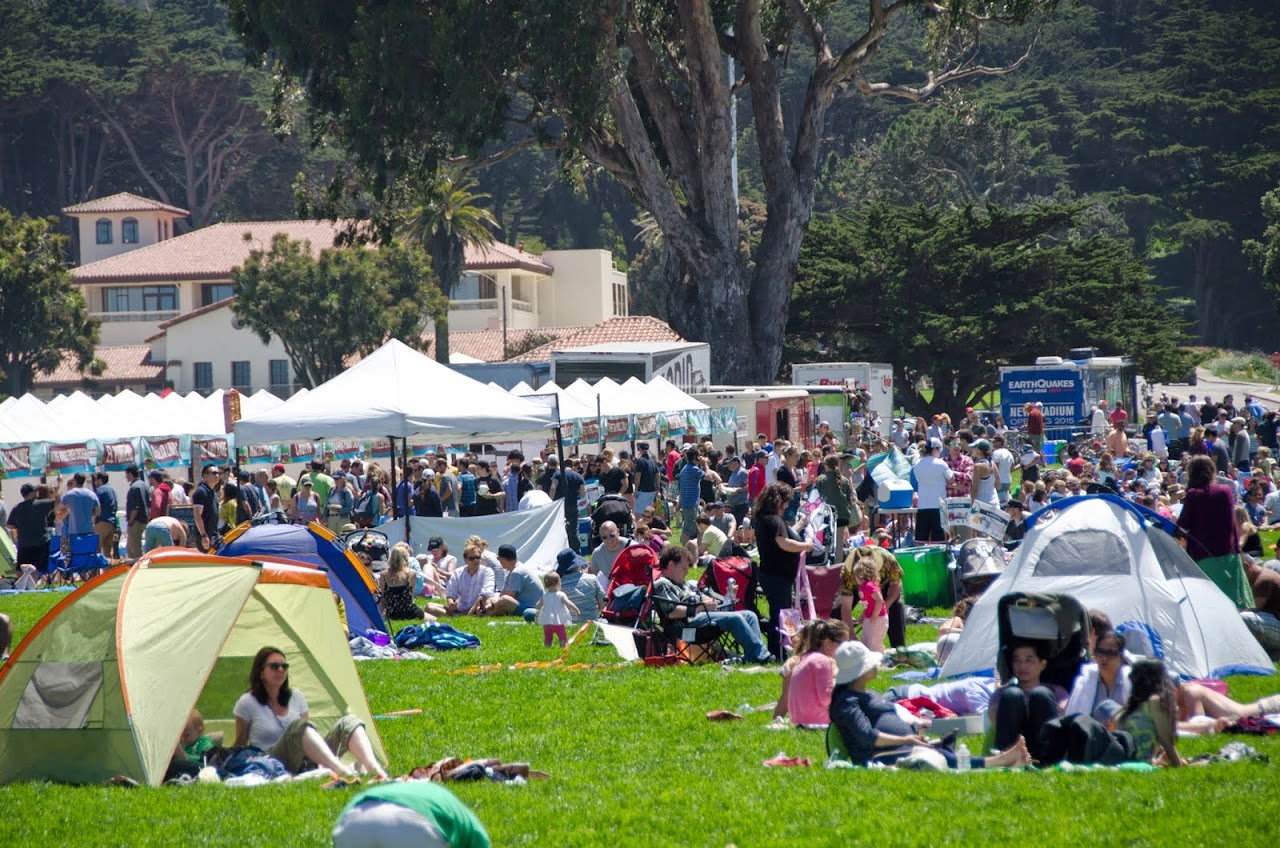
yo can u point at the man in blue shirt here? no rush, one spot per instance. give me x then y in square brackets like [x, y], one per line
[568, 484]
[81, 505]
[106, 525]
[690, 487]
[467, 491]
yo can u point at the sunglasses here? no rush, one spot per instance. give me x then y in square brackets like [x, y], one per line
[1106, 652]
[278, 666]
[472, 559]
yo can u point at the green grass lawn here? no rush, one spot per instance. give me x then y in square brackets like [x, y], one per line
[634, 761]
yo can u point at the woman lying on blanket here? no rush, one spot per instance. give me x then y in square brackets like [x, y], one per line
[273, 717]
[869, 725]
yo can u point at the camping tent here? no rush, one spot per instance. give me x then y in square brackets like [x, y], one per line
[1112, 556]
[315, 545]
[396, 392]
[103, 684]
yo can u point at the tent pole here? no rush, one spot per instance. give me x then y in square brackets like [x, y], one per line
[559, 434]
[404, 452]
[395, 495]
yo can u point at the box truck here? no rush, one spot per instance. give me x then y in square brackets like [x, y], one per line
[687, 365]
[876, 378]
[1068, 389]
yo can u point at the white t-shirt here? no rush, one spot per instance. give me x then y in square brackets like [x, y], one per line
[555, 609]
[1003, 460]
[932, 475]
[265, 727]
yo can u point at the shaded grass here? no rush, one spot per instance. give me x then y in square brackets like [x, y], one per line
[634, 761]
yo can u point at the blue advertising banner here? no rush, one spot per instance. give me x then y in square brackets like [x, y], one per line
[1061, 390]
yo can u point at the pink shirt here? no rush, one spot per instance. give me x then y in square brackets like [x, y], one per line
[872, 601]
[809, 694]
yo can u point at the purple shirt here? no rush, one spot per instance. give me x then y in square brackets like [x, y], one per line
[1208, 516]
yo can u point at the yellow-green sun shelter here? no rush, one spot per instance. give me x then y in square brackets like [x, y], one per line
[104, 684]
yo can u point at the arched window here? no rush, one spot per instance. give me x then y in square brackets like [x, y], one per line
[129, 231]
[104, 231]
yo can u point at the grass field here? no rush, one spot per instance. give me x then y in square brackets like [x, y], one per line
[634, 761]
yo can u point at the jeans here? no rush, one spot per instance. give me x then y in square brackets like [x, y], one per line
[1022, 713]
[743, 626]
[777, 592]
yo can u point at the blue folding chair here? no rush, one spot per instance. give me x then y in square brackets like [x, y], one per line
[79, 556]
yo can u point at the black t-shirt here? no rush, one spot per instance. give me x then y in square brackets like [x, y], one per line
[614, 481]
[205, 498]
[31, 518]
[489, 485]
[647, 473]
[773, 559]
[786, 475]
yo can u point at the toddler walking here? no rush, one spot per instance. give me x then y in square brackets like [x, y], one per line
[875, 615]
[555, 610]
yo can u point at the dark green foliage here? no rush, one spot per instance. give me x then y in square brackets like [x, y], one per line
[43, 316]
[949, 296]
[344, 302]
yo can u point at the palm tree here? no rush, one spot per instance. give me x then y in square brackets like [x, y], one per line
[445, 219]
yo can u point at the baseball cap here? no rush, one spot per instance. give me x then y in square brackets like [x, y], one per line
[935, 443]
[508, 552]
[435, 543]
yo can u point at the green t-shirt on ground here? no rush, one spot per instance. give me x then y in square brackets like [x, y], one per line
[458, 825]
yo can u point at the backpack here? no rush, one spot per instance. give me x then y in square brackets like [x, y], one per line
[363, 510]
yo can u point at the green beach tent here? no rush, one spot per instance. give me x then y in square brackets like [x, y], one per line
[104, 683]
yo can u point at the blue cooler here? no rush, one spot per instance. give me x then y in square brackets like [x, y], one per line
[895, 494]
[584, 534]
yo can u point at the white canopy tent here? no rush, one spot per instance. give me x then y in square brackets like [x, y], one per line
[398, 392]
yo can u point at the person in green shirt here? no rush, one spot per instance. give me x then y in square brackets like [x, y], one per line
[321, 483]
[410, 813]
[193, 742]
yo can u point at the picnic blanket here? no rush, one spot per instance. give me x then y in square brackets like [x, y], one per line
[433, 634]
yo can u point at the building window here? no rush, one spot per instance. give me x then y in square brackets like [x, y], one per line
[620, 299]
[104, 231]
[488, 288]
[240, 378]
[213, 292]
[129, 231]
[204, 376]
[140, 299]
[279, 372]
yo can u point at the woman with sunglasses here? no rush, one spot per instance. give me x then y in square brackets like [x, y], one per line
[1104, 679]
[273, 717]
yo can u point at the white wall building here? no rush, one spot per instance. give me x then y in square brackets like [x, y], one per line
[173, 293]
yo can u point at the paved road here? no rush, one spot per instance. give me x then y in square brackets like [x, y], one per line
[1215, 387]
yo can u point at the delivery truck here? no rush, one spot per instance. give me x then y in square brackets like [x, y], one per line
[872, 381]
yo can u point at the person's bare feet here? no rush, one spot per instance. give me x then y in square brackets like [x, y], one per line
[1012, 757]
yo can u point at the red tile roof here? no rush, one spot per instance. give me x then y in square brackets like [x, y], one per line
[124, 365]
[632, 328]
[486, 345]
[499, 256]
[209, 253]
[122, 202]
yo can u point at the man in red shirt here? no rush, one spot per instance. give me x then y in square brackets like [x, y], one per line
[755, 474]
[1035, 425]
[161, 492]
[673, 456]
[1118, 415]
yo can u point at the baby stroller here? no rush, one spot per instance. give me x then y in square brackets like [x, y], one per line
[613, 508]
[821, 529]
[1058, 621]
[979, 562]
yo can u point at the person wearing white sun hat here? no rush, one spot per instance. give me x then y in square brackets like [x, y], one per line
[868, 722]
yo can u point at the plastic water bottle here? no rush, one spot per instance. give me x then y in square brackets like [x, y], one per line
[731, 592]
[962, 758]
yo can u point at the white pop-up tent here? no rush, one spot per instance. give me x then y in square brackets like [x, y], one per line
[398, 392]
[1113, 556]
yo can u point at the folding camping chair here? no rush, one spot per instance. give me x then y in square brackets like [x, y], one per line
[695, 645]
[627, 595]
[824, 587]
[740, 569]
[78, 554]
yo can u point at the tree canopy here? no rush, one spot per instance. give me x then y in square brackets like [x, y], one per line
[640, 91]
[343, 302]
[43, 315]
[950, 296]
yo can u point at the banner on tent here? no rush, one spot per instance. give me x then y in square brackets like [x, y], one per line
[988, 519]
[302, 451]
[258, 454]
[589, 431]
[380, 449]
[617, 429]
[646, 426]
[74, 457]
[955, 512]
[675, 423]
[345, 450]
[15, 461]
[162, 453]
[117, 456]
[212, 450]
